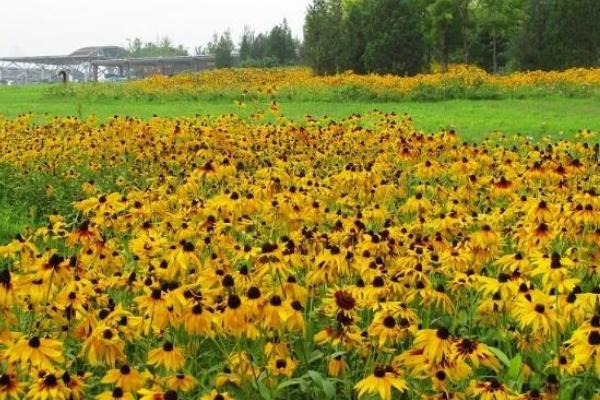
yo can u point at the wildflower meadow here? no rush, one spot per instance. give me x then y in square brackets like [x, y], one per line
[220, 257]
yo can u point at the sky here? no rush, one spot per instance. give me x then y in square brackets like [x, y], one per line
[57, 27]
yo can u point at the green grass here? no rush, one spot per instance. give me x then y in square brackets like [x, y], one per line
[472, 119]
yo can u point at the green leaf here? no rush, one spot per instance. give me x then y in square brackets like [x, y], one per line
[323, 383]
[501, 355]
[315, 356]
[288, 383]
[329, 389]
[514, 368]
[315, 376]
[264, 391]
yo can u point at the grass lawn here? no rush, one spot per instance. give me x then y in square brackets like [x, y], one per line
[471, 118]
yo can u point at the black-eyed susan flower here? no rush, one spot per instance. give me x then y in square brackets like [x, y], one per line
[181, 382]
[125, 377]
[10, 388]
[381, 382]
[167, 356]
[37, 352]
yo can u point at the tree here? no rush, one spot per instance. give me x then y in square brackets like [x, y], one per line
[441, 27]
[394, 40]
[246, 44]
[464, 17]
[281, 44]
[221, 47]
[275, 47]
[354, 36]
[323, 29]
[530, 46]
[573, 30]
[162, 47]
[498, 21]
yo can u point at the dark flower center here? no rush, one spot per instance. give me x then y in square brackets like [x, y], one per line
[594, 338]
[156, 294]
[168, 346]
[197, 309]
[379, 372]
[5, 277]
[117, 393]
[378, 281]
[468, 346]
[125, 369]
[563, 360]
[344, 300]
[234, 301]
[281, 363]
[170, 395]
[275, 301]
[50, 380]
[34, 342]
[443, 333]
[228, 281]
[495, 385]
[296, 305]
[389, 322]
[540, 308]
[253, 293]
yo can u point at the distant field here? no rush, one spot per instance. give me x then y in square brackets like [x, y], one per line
[473, 119]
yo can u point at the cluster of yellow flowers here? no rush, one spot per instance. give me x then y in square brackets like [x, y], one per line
[272, 81]
[324, 259]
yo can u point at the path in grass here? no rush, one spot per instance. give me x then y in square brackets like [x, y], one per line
[473, 119]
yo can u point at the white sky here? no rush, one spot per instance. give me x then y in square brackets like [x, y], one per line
[56, 27]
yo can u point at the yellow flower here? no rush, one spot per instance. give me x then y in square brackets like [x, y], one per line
[167, 356]
[181, 382]
[126, 378]
[38, 352]
[381, 383]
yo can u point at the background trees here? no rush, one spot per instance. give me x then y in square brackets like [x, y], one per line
[394, 43]
[407, 36]
[162, 47]
[276, 47]
[221, 47]
[411, 36]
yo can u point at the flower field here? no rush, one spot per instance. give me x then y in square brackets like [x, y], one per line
[223, 258]
[461, 81]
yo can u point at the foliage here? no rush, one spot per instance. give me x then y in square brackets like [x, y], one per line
[162, 47]
[274, 48]
[494, 34]
[394, 43]
[221, 47]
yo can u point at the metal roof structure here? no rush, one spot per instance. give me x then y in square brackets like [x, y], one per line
[79, 56]
[92, 63]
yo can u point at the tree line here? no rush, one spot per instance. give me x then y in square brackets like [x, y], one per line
[408, 36]
[276, 47]
[405, 37]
